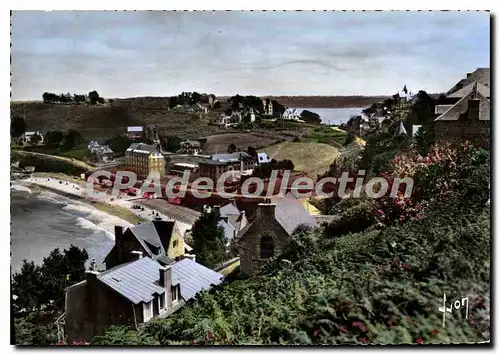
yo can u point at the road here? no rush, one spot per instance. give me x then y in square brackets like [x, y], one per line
[71, 161]
[179, 213]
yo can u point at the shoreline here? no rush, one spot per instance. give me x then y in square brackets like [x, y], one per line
[120, 208]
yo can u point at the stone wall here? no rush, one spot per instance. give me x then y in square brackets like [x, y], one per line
[249, 243]
[91, 308]
[468, 126]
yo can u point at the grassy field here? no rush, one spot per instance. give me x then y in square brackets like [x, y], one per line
[309, 157]
[118, 211]
[220, 142]
[328, 135]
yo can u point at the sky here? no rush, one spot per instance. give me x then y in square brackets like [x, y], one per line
[127, 54]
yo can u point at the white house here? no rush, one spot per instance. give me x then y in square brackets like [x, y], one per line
[291, 114]
[28, 135]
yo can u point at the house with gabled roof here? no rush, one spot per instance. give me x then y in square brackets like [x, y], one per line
[131, 294]
[270, 231]
[231, 219]
[465, 114]
[158, 239]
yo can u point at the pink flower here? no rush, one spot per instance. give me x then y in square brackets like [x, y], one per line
[361, 326]
[419, 340]
[342, 329]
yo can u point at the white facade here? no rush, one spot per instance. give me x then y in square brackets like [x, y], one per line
[291, 114]
[27, 137]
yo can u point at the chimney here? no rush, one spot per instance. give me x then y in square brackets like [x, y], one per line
[190, 256]
[166, 281]
[216, 209]
[119, 244]
[265, 210]
[118, 234]
[468, 75]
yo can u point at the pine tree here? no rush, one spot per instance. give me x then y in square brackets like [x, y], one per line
[209, 241]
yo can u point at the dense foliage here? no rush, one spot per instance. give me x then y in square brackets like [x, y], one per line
[38, 294]
[92, 98]
[17, 127]
[382, 285]
[209, 240]
[311, 117]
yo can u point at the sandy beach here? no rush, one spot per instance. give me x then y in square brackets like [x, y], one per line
[115, 206]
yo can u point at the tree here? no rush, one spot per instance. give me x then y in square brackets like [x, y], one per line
[278, 108]
[350, 137]
[119, 144]
[171, 143]
[49, 97]
[209, 241]
[93, 97]
[79, 98]
[35, 139]
[310, 117]
[72, 139]
[195, 97]
[231, 148]
[54, 138]
[100, 100]
[251, 150]
[17, 127]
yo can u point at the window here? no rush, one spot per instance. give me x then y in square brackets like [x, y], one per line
[162, 301]
[266, 247]
[175, 293]
[148, 311]
[174, 244]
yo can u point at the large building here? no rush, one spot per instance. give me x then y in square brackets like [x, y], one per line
[240, 163]
[465, 113]
[144, 159]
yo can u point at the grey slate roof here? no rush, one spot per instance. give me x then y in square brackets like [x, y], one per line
[230, 156]
[400, 130]
[156, 232]
[482, 89]
[193, 277]
[290, 214]
[142, 146]
[137, 281]
[212, 162]
[481, 75]
[457, 110]
[228, 229]
[229, 210]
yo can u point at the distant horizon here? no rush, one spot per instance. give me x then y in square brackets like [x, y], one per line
[163, 53]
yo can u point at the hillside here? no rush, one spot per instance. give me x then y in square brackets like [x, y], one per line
[220, 142]
[96, 122]
[103, 121]
[309, 157]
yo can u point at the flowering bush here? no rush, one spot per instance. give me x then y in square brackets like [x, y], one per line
[435, 176]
